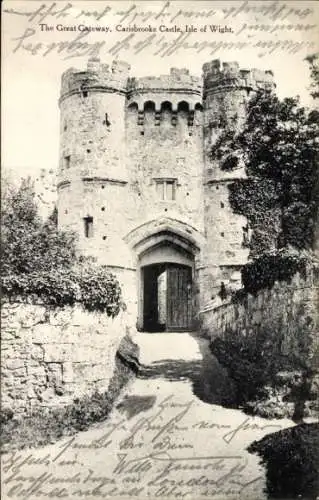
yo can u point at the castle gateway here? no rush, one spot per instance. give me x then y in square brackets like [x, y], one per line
[137, 182]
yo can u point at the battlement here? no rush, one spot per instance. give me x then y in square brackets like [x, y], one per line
[97, 75]
[217, 77]
[228, 75]
[178, 80]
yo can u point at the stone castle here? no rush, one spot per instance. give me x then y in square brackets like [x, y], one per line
[137, 182]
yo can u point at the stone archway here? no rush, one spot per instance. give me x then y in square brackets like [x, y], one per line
[166, 288]
[172, 247]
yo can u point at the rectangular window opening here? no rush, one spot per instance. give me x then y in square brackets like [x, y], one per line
[170, 190]
[166, 189]
[88, 227]
[67, 161]
[160, 190]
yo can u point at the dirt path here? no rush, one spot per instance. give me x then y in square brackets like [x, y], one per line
[168, 437]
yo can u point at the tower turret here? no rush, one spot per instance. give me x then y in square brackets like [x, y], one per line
[92, 180]
[227, 89]
[92, 104]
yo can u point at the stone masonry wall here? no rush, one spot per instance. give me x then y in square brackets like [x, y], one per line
[291, 309]
[48, 358]
[162, 150]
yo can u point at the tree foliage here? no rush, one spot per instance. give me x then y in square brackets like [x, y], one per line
[313, 61]
[278, 145]
[28, 243]
[41, 263]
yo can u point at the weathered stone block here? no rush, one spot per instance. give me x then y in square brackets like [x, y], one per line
[54, 353]
[44, 333]
[54, 373]
[37, 352]
[67, 372]
[14, 364]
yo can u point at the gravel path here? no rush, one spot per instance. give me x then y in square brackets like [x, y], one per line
[167, 437]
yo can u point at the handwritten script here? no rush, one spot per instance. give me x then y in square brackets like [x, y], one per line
[161, 452]
[69, 30]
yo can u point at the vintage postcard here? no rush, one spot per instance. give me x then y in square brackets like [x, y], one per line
[160, 249]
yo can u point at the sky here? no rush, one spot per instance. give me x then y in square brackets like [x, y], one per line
[266, 35]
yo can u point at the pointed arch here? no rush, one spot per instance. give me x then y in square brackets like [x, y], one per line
[133, 106]
[157, 231]
[198, 107]
[165, 247]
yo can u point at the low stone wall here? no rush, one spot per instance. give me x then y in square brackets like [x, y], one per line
[50, 357]
[291, 309]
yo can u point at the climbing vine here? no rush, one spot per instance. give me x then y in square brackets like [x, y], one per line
[258, 200]
[270, 267]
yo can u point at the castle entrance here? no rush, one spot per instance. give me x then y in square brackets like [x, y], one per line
[166, 279]
[167, 297]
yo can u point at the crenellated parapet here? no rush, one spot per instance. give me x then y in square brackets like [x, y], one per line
[177, 86]
[97, 77]
[177, 80]
[228, 76]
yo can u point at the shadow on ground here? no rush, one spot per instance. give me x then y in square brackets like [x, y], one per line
[210, 381]
[133, 405]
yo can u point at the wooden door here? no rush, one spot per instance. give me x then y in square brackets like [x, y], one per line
[179, 298]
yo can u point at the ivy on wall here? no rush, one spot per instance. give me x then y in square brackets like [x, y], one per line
[270, 267]
[258, 200]
[96, 290]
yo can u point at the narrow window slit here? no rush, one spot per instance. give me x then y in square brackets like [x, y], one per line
[88, 227]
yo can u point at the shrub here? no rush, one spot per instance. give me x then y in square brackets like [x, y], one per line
[252, 361]
[100, 291]
[292, 460]
[40, 262]
[96, 289]
[28, 244]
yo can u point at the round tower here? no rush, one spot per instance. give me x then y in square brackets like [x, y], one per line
[227, 89]
[92, 179]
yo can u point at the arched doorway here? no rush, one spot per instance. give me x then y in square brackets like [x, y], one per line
[167, 301]
[166, 289]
